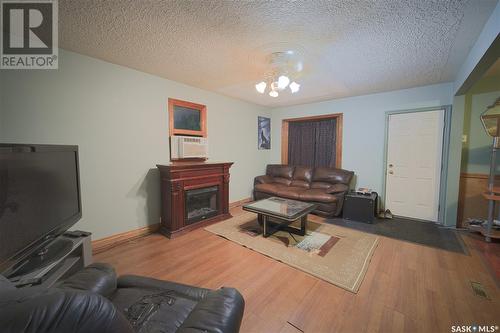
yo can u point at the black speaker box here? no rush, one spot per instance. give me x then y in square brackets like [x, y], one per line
[360, 207]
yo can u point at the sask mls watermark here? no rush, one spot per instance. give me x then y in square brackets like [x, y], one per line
[29, 34]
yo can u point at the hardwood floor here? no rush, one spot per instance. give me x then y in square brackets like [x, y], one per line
[408, 287]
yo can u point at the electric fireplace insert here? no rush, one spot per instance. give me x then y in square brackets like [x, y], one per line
[201, 204]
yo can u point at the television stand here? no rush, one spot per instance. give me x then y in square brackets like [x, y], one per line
[60, 259]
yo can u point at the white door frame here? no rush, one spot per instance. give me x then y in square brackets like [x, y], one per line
[444, 155]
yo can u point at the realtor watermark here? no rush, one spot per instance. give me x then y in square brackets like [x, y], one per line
[29, 36]
[474, 328]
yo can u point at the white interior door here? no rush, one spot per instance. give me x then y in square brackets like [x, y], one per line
[414, 151]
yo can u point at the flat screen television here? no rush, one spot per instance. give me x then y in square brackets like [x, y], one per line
[39, 198]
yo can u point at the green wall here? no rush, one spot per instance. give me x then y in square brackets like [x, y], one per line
[476, 150]
[118, 117]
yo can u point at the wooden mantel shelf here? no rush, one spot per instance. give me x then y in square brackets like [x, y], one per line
[184, 165]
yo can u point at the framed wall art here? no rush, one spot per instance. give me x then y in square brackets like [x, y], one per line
[264, 132]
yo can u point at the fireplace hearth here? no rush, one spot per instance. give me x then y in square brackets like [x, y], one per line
[193, 194]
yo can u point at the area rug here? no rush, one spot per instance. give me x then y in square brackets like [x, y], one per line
[335, 254]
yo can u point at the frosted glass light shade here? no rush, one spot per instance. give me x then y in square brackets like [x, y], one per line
[261, 87]
[294, 87]
[283, 82]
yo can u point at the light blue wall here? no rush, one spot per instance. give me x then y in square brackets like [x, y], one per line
[119, 119]
[364, 125]
[364, 128]
[454, 159]
[486, 37]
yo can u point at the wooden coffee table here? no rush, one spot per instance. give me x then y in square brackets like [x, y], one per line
[281, 212]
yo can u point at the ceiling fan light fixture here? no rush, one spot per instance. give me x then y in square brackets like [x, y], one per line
[274, 85]
[261, 87]
[294, 87]
[282, 69]
[273, 93]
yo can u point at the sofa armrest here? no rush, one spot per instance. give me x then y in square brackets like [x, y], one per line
[264, 179]
[97, 278]
[59, 310]
[220, 311]
[337, 188]
[5, 284]
[133, 281]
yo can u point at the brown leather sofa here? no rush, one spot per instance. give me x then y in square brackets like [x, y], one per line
[325, 187]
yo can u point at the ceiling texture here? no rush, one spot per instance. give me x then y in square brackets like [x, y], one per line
[348, 47]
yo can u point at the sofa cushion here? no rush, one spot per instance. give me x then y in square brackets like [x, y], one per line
[337, 188]
[280, 171]
[41, 309]
[98, 278]
[174, 307]
[203, 318]
[283, 181]
[321, 185]
[290, 192]
[302, 177]
[332, 176]
[5, 284]
[300, 183]
[271, 188]
[317, 195]
[263, 179]
[181, 308]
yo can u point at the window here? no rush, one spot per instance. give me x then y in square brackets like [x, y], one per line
[312, 141]
[187, 118]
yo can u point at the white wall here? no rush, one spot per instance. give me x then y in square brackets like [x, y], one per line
[118, 117]
[364, 127]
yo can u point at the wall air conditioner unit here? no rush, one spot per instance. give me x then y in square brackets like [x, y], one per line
[188, 147]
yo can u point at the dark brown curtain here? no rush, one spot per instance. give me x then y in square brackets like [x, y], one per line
[312, 143]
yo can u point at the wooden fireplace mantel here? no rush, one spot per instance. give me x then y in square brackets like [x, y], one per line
[176, 179]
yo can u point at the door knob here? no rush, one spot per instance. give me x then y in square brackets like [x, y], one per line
[391, 172]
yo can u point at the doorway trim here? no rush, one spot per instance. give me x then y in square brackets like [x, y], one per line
[444, 155]
[338, 135]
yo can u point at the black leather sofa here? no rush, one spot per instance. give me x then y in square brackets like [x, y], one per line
[94, 300]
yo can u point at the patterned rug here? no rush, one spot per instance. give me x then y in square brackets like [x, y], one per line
[337, 255]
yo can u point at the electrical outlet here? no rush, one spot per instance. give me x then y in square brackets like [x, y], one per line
[464, 138]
